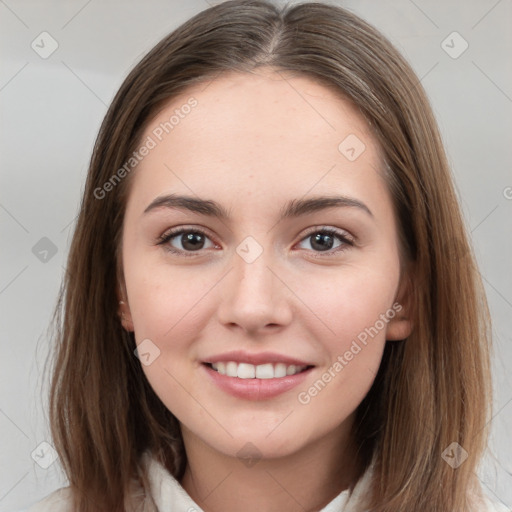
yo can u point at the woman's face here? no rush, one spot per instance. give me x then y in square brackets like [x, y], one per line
[265, 281]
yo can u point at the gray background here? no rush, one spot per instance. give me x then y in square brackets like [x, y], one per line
[51, 110]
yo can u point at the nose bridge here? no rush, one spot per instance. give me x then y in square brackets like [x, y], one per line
[253, 296]
[253, 275]
[253, 280]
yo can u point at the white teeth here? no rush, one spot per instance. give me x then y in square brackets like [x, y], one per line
[261, 371]
[279, 370]
[246, 371]
[265, 371]
[231, 369]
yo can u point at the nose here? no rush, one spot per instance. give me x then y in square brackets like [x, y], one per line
[254, 296]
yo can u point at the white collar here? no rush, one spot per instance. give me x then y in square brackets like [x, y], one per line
[169, 495]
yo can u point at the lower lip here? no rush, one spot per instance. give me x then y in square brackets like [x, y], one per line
[255, 389]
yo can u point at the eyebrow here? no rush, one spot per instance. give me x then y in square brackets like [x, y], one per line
[294, 208]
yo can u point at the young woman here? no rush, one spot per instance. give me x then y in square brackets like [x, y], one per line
[270, 301]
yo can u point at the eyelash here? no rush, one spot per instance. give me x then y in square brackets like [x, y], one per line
[169, 235]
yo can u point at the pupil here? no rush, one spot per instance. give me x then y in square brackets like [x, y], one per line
[193, 240]
[317, 241]
[321, 241]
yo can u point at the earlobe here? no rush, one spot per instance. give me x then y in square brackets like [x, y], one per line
[124, 311]
[401, 325]
[125, 315]
[399, 328]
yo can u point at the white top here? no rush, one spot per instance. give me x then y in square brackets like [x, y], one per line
[170, 496]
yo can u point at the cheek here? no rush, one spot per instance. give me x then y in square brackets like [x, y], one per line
[353, 313]
[165, 302]
[352, 310]
[344, 304]
[169, 308]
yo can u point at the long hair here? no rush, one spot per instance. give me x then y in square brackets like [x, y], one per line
[432, 389]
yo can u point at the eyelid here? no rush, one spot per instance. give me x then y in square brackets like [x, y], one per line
[173, 232]
[347, 241]
[342, 233]
[344, 236]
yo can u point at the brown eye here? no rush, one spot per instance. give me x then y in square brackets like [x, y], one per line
[327, 240]
[185, 240]
[192, 241]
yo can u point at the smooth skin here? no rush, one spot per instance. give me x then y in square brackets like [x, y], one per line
[253, 142]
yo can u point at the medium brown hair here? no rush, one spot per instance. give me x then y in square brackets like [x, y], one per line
[432, 389]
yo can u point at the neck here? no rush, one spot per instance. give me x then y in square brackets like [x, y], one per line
[305, 480]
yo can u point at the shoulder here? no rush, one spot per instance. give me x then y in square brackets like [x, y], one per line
[57, 501]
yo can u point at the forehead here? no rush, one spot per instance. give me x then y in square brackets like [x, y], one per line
[247, 132]
[269, 99]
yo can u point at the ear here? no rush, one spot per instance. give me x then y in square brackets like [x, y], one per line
[401, 325]
[124, 309]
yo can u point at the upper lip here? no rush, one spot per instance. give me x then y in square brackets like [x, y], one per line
[239, 356]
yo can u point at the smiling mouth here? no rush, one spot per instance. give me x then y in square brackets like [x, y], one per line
[261, 371]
